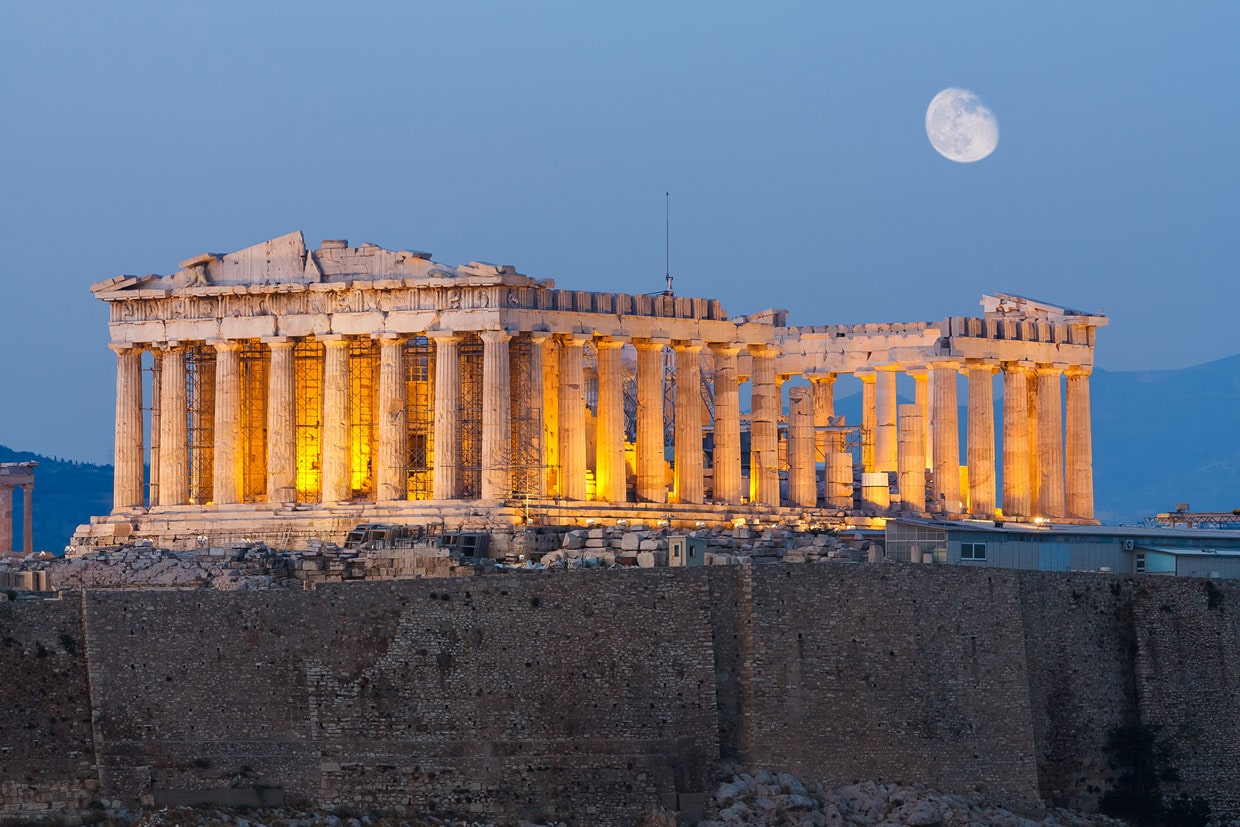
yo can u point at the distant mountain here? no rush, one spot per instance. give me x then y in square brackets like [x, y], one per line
[1166, 437]
[66, 494]
[1160, 438]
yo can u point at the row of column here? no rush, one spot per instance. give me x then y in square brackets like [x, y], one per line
[1042, 476]
[1045, 473]
[558, 395]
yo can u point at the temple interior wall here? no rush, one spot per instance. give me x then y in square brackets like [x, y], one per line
[584, 697]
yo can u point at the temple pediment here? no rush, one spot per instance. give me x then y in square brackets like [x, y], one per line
[286, 260]
[1008, 306]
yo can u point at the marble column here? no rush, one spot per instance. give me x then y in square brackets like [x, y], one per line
[447, 472]
[281, 423]
[802, 482]
[688, 445]
[728, 481]
[337, 482]
[536, 409]
[981, 439]
[1050, 442]
[1016, 499]
[391, 472]
[610, 478]
[869, 415]
[885, 441]
[1080, 457]
[921, 397]
[550, 413]
[226, 468]
[946, 437]
[153, 456]
[28, 518]
[1031, 417]
[173, 428]
[823, 385]
[6, 518]
[572, 417]
[128, 450]
[651, 478]
[912, 460]
[763, 433]
[496, 416]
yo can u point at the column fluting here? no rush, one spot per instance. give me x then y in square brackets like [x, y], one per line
[447, 471]
[946, 437]
[1080, 460]
[496, 416]
[1016, 499]
[726, 459]
[173, 428]
[128, 449]
[981, 439]
[391, 473]
[226, 472]
[651, 477]
[763, 432]
[610, 478]
[1050, 442]
[572, 418]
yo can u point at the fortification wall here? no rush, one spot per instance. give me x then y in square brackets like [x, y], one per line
[895, 673]
[46, 747]
[585, 696]
[574, 697]
[1103, 650]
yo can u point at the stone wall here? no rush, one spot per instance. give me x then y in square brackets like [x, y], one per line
[1163, 651]
[46, 748]
[890, 673]
[571, 697]
[585, 696]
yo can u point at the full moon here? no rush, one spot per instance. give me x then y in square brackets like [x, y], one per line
[960, 128]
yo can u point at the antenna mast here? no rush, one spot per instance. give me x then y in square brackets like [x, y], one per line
[667, 242]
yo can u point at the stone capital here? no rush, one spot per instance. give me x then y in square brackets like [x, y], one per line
[894, 367]
[224, 345]
[819, 377]
[125, 347]
[388, 337]
[990, 366]
[278, 342]
[1019, 364]
[444, 336]
[763, 349]
[609, 342]
[1077, 371]
[573, 339]
[866, 374]
[691, 345]
[1051, 368]
[494, 337]
[654, 343]
[333, 340]
[726, 348]
[944, 364]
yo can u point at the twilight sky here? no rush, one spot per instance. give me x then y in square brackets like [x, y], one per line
[790, 135]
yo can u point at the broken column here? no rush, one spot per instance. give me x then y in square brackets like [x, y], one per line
[869, 415]
[912, 460]
[824, 408]
[885, 438]
[802, 481]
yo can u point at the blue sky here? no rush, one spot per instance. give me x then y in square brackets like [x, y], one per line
[790, 135]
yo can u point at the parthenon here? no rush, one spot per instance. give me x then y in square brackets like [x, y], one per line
[289, 391]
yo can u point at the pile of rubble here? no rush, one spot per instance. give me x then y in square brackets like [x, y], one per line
[648, 547]
[764, 798]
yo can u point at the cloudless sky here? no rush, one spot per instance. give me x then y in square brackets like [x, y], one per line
[790, 135]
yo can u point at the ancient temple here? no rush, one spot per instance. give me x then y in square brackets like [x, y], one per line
[279, 392]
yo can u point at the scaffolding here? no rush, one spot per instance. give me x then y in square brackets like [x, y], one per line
[255, 361]
[470, 458]
[363, 402]
[200, 424]
[527, 425]
[420, 418]
[308, 361]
